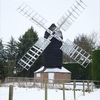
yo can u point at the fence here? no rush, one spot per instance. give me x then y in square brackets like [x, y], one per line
[75, 85]
[40, 83]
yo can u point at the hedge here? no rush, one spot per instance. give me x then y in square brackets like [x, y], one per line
[96, 65]
[77, 71]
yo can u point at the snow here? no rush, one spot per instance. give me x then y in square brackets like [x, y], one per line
[53, 70]
[52, 94]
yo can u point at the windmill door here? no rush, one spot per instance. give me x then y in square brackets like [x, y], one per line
[51, 77]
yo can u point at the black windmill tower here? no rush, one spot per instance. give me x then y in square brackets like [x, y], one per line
[52, 44]
[52, 54]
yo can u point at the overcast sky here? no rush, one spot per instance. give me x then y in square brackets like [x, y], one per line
[14, 24]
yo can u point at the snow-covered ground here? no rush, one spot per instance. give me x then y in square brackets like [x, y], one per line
[53, 94]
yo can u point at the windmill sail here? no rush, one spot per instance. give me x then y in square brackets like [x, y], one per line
[33, 16]
[71, 15]
[33, 53]
[72, 50]
[76, 53]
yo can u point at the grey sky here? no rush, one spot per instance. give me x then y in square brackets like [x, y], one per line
[14, 24]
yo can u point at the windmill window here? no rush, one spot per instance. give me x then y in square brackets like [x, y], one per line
[38, 75]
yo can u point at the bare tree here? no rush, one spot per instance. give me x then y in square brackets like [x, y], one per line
[84, 42]
[88, 42]
[94, 37]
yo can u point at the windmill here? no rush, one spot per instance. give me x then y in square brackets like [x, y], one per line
[53, 32]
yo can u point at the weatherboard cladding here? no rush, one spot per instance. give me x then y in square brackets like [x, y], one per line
[53, 54]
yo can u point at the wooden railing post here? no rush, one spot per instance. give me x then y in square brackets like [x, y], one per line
[92, 86]
[74, 86]
[11, 92]
[45, 91]
[83, 89]
[88, 87]
[19, 81]
[0, 83]
[63, 91]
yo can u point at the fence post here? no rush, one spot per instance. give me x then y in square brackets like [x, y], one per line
[0, 83]
[88, 89]
[11, 92]
[13, 80]
[45, 91]
[92, 86]
[74, 86]
[41, 83]
[19, 81]
[26, 81]
[83, 89]
[63, 91]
